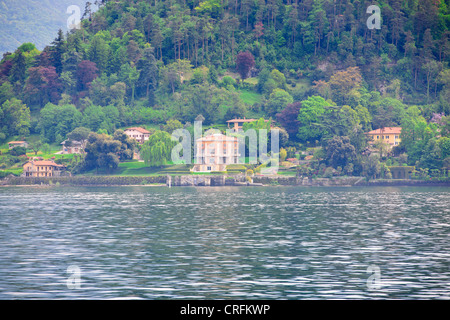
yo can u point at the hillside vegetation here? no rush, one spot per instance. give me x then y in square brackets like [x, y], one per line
[313, 67]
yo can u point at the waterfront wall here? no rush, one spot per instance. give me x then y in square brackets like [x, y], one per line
[83, 180]
[212, 180]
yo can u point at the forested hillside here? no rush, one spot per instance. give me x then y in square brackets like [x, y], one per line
[35, 21]
[313, 67]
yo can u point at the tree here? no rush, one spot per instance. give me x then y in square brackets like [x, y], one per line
[283, 154]
[15, 118]
[205, 100]
[278, 100]
[244, 63]
[416, 133]
[42, 86]
[382, 146]
[148, 77]
[55, 122]
[126, 151]
[339, 152]
[18, 151]
[308, 117]
[80, 134]
[171, 125]
[99, 52]
[6, 92]
[101, 152]
[86, 73]
[371, 166]
[342, 83]
[157, 150]
[18, 69]
[130, 75]
[57, 50]
[288, 118]
[35, 146]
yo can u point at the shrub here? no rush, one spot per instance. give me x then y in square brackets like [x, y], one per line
[18, 151]
[328, 172]
[228, 81]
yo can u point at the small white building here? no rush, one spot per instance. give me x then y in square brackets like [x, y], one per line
[71, 146]
[139, 134]
[215, 152]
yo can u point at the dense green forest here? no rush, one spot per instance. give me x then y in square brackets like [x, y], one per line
[313, 67]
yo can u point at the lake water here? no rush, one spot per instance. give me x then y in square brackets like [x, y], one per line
[224, 243]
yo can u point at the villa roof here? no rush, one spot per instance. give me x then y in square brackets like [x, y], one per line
[16, 142]
[243, 120]
[141, 130]
[217, 137]
[74, 142]
[386, 130]
[45, 163]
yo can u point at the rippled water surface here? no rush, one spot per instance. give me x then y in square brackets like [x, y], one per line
[214, 243]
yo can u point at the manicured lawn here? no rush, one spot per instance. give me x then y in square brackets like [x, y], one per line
[136, 168]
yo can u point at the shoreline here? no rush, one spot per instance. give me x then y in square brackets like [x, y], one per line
[211, 181]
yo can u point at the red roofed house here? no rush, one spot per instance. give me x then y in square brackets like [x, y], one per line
[42, 168]
[139, 134]
[390, 135]
[13, 144]
[238, 123]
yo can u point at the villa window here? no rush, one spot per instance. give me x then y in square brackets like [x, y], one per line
[208, 168]
[387, 137]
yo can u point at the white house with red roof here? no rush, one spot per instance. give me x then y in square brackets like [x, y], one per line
[139, 134]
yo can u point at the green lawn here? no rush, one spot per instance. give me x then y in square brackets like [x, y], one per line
[249, 97]
[136, 168]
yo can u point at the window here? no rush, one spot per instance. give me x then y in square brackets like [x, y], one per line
[396, 137]
[387, 137]
[208, 168]
[396, 143]
[378, 137]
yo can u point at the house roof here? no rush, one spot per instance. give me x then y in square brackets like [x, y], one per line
[16, 142]
[386, 130]
[217, 137]
[243, 120]
[44, 163]
[74, 142]
[141, 130]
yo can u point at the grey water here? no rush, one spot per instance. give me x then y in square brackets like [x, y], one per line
[224, 243]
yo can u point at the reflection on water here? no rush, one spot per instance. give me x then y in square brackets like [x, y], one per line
[212, 243]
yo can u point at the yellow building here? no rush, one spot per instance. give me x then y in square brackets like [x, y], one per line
[215, 152]
[42, 168]
[390, 135]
